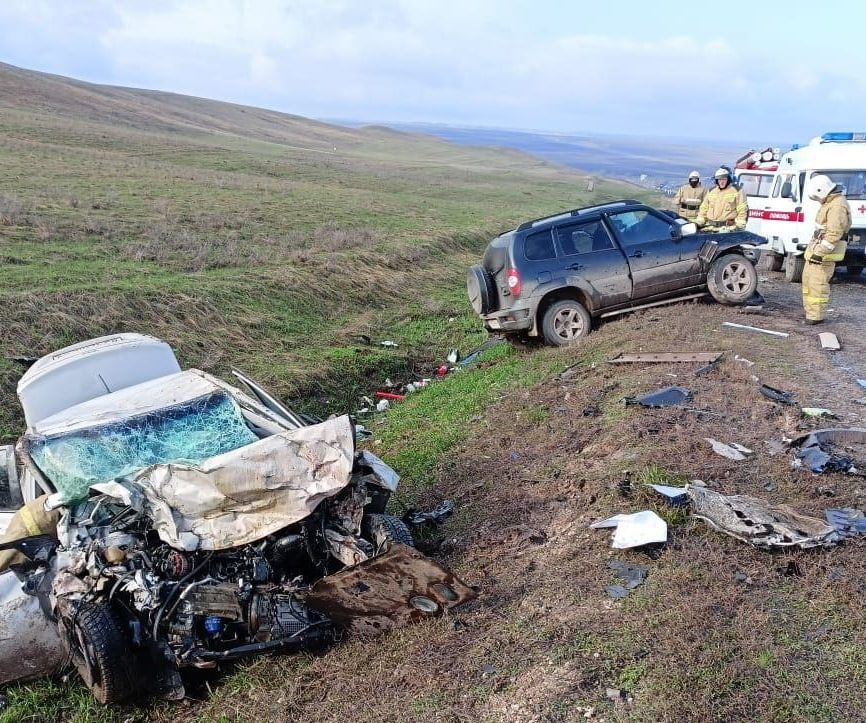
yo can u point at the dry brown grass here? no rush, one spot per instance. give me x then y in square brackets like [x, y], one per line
[544, 642]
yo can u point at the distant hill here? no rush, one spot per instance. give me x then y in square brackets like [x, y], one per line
[148, 110]
[661, 160]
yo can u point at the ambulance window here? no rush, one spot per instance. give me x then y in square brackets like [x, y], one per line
[776, 186]
[853, 183]
[749, 183]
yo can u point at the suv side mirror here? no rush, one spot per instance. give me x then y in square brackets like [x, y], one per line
[786, 190]
[688, 229]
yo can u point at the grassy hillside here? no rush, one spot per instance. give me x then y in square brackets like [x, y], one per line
[242, 236]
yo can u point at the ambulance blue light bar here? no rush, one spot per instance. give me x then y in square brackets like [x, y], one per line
[844, 137]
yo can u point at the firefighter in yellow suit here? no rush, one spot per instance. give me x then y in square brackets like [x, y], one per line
[724, 207]
[688, 198]
[826, 247]
[31, 519]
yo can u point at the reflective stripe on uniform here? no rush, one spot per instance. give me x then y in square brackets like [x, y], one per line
[30, 524]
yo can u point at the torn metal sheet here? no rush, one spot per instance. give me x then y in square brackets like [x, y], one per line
[756, 329]
[398, 587]
[832, 450]
[29, 639]
[777, 395]
[829, 341]
[666, 397]
[388, 478]
[759, 522]
[662, 357]
[243, 495]
[635, 530]
[734, 451]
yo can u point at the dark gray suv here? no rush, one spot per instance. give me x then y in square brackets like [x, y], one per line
[552, 276]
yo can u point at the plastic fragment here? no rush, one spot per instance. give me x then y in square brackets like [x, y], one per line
[383, 405]
[817, 412]
[734, 451]
[635, 530]
[666, 397]
[675, 496]
[388, 344]
[415, 518]
[390, 395]
[846, 521]
[776, 395]
[744, 327]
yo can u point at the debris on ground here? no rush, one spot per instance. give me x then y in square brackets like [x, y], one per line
[390, 396]
[635, 530]
[711, 367]
[756, 329]
[453, 356]
[832, 450]
[759, 522]
[743, 360]
[388, 344]
[417, 518]
[862, 383]
[847, 521]
[666, 397]
[383, 406]
[632, 576]
[473, 355]
[755, 301]
[817, 412]
[674, 496]
[734, 451]
[776, 395]
[829, 341]
[667, 357]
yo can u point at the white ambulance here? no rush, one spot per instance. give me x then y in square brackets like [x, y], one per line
[781, 213]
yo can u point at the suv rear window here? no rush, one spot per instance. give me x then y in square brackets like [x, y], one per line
[539, 246]
[583, 238]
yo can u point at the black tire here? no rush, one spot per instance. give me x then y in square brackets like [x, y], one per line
[855, 271]
[794, 266]
[732, 279]
[565, 322]
[481, 289]
[100, 650]
[771, 262]
[380, 529]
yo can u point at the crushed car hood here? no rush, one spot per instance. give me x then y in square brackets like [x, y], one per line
[243, 495]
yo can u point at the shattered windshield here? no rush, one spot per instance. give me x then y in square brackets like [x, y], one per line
[188, 432]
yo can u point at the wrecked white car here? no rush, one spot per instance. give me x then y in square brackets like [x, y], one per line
[198, 524]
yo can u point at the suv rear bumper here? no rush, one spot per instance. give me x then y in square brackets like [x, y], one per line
[514, 319]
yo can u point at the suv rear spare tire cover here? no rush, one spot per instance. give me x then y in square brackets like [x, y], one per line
[481, 289]
[732, 279]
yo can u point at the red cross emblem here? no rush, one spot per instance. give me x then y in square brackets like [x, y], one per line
[861, 208]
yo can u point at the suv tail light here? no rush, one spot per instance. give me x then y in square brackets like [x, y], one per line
[513, 280]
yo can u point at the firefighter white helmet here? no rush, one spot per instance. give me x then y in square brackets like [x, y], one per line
[722, 173]
[694, 174]
[820, 187]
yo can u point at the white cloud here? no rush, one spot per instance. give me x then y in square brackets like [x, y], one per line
[453, 60]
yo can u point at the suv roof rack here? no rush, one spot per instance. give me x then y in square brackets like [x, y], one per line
[576, 212]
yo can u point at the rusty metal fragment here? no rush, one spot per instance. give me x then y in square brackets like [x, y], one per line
[398, 587]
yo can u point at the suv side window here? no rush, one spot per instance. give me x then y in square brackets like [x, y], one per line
[583, 238]
[539, 246]
[640, 227]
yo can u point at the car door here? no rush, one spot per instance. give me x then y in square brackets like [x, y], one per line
[586, 250]
[647, 239]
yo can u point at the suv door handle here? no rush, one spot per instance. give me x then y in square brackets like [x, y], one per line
[576, 267]
[636, 255]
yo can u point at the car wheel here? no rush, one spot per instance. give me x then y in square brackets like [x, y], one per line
[100, 651]
[565, 322]
[794, 266]
[851, 270]
[481, 289]
[732, 279]
[771, 262]
[380, 529]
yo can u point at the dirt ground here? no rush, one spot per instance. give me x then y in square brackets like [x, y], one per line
[719, 630]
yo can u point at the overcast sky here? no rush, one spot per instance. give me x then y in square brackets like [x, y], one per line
[757, 72]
